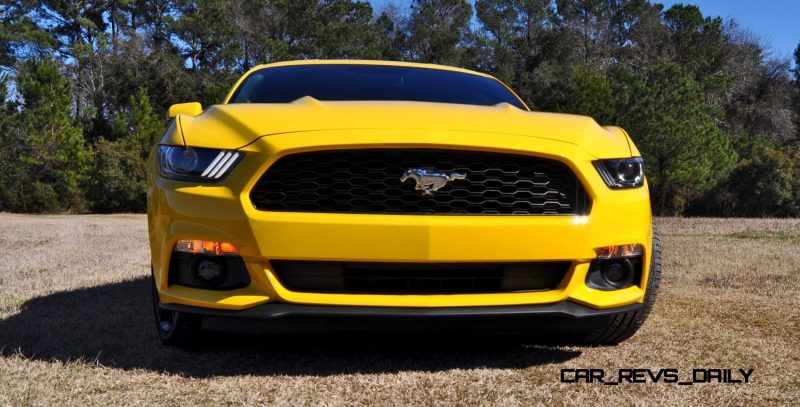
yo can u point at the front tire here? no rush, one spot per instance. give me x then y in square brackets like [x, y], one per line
[623, 326]
[174, 328]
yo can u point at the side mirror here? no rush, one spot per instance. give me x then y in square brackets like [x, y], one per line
[191, 109]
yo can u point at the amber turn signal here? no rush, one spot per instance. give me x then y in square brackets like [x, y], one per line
[205, 247]
[627, 250]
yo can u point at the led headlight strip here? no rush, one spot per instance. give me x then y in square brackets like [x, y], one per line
[221, 164]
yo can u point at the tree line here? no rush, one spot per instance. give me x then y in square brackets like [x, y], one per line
[85, 85]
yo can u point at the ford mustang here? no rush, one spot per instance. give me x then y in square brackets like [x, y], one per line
[369, 194]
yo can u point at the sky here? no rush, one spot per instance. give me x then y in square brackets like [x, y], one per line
[775, 22]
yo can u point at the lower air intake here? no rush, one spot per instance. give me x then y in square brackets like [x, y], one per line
[418, 278]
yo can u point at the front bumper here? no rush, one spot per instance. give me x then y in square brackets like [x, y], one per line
[283, 310]
[223, 212]
[286, 318]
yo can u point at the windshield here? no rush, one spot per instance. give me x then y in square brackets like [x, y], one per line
[371, 82]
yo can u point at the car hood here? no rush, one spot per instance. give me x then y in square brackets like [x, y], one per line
[234, 126]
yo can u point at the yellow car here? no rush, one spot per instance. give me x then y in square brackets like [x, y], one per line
[349, 193]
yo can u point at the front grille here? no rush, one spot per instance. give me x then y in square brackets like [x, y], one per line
[368, 181]
[418, 278]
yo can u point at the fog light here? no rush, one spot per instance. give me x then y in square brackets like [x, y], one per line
[208, 271]
[613, 252]
[616, 267]
[618, 273]
[205, 247]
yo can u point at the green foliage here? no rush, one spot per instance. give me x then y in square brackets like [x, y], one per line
[796, 96]
[436, 30]
[140, 124]
[698, 43]
[584, 91]
[766, 183]
[685, 153]
[7, 129]
[19, 34]
[208, 33]
[93, 80]
[45, 148]
[528, 50]
[117, 181]
[796, 70]
[388, 38]
[298, 29]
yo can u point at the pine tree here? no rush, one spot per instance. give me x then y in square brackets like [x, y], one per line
[49, 160]
[7, 148]
[436, 29]
[796, 72]
[665, 111]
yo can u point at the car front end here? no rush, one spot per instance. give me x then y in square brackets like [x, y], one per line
[315, 209]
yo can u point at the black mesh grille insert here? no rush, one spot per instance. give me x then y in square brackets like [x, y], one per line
[418, 278]
[368, 181]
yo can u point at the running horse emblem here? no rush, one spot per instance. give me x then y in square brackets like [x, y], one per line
[430, 181]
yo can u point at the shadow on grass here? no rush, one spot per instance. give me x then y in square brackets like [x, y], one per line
[113, 325]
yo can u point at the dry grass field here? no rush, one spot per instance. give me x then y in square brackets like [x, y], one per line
[76, 329]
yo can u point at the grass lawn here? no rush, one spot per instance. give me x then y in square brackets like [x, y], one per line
[76, 328]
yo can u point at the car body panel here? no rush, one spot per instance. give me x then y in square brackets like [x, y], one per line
[225, 213]
[235, 126]
[266, 132]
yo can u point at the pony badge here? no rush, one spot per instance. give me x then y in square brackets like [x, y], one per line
[430, 181]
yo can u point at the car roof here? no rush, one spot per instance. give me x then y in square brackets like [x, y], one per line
[367, 62]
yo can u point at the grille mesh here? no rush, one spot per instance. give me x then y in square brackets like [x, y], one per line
[368, 181]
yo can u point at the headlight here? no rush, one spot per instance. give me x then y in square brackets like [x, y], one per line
[622, 173]
[196, 164]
